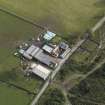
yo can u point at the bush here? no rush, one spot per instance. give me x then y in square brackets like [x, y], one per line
[55, 97]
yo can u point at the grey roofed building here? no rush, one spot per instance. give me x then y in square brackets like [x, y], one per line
[35, 51]
[40, 71]
[45, 59]
[27, 56]
[63, 46]
[30, 49]
[47, 48]
[30, 52]
[63, 55]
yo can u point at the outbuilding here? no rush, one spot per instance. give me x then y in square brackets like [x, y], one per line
[40, 71]
[47, 49]
[49, 35]
[63, 46]
[46, 59]
[30, 52]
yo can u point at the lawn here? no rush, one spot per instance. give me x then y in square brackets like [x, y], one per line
[13, 96]
[64, 16]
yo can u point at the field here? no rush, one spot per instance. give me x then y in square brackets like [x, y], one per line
[12, 96]
[62, 16]
[12, 33]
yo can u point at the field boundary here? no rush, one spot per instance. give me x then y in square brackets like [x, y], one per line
[28, 21]
[17, 87]
[23, 18]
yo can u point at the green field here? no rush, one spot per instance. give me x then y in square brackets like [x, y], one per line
[12, 96]
[64, 16]
[12, 33]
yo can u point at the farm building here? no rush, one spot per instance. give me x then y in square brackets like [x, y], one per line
[63, 55]
[47, 49]
[40, 71]
[30, 52]
[46, 59]
[49, 35]
[63, 46]
[49, 54]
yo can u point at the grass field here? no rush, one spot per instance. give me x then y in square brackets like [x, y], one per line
[64, 16]
[12, 96]
[12, 32]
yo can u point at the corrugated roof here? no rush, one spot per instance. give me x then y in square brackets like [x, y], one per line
[35, 51]
[30, 52]
[64, 45]
[47, 48]
[27, 56]
[49, 35]
[30, 49]
[41, 71]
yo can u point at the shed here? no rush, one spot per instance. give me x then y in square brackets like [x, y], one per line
[47, 48]
[46, 59]
[49, 35]
[41, 71]
[30, 49]
[35, 51]
[64, 54]
[63, 46]
[21, 51]
[27, 56]
[30, 52]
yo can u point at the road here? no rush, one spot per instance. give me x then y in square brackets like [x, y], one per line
[93, 70]
[98, 25]
[35, 100]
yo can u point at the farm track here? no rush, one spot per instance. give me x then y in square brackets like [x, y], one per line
[93, 70]
[98, 25]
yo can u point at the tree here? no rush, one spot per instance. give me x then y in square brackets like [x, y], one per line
[84, 87]
[55, 97]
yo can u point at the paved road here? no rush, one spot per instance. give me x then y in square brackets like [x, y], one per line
[34, 102]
